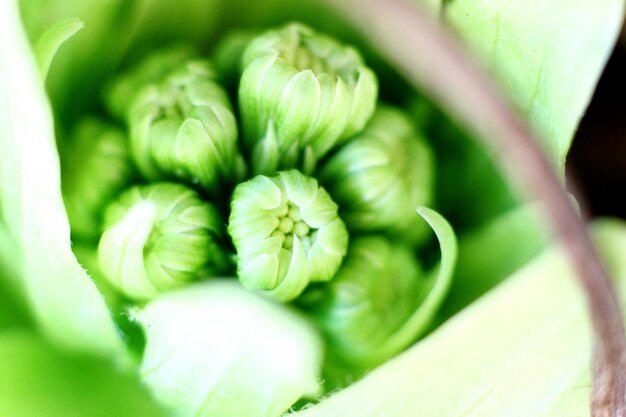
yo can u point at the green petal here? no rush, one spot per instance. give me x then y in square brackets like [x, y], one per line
[435, 287]
[295, 115]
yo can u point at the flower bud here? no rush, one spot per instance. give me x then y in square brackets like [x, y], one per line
[381, 176]
[183, 127]
[380, 300]
[121, 93]
[287, 233]
[372, 295]
[309, 90]
[158, 237]
[96, 167]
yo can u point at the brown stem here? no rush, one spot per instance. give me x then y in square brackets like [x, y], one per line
[432, 60]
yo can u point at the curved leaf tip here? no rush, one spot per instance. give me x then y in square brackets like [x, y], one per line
[52, 39]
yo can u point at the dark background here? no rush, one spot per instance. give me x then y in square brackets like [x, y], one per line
[597, 160]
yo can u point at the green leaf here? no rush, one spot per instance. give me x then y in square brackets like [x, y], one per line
[522, 350]
[50, 42]
[40, 381]
[547, 56]
[216, 350]
[439, 280]
[491, 252]
[65, 302]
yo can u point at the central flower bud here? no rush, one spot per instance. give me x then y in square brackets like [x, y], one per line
[287, 233]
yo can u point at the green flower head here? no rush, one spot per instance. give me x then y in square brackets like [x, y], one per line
[301, 93]
[381, 176]
[287, 233]
[373, 294]
[158, 237]
[121, 93]
[183, 127]
[96, 166]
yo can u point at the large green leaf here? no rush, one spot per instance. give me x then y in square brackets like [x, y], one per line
[40, 381]
[490, 253]
[522, 350]
[65, 302]
[547, 56]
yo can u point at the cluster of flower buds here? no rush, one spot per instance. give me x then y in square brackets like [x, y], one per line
[312, 202]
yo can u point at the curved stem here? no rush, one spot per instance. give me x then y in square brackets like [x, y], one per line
[437, 64]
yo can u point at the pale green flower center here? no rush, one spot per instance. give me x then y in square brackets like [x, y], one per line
[303, 58]
[290, 224]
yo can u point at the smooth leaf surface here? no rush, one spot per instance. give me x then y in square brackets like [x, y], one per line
[65, 302]
[491, 252]
[215, 349]
[40, 381]
[522, 350]
[547, 56]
